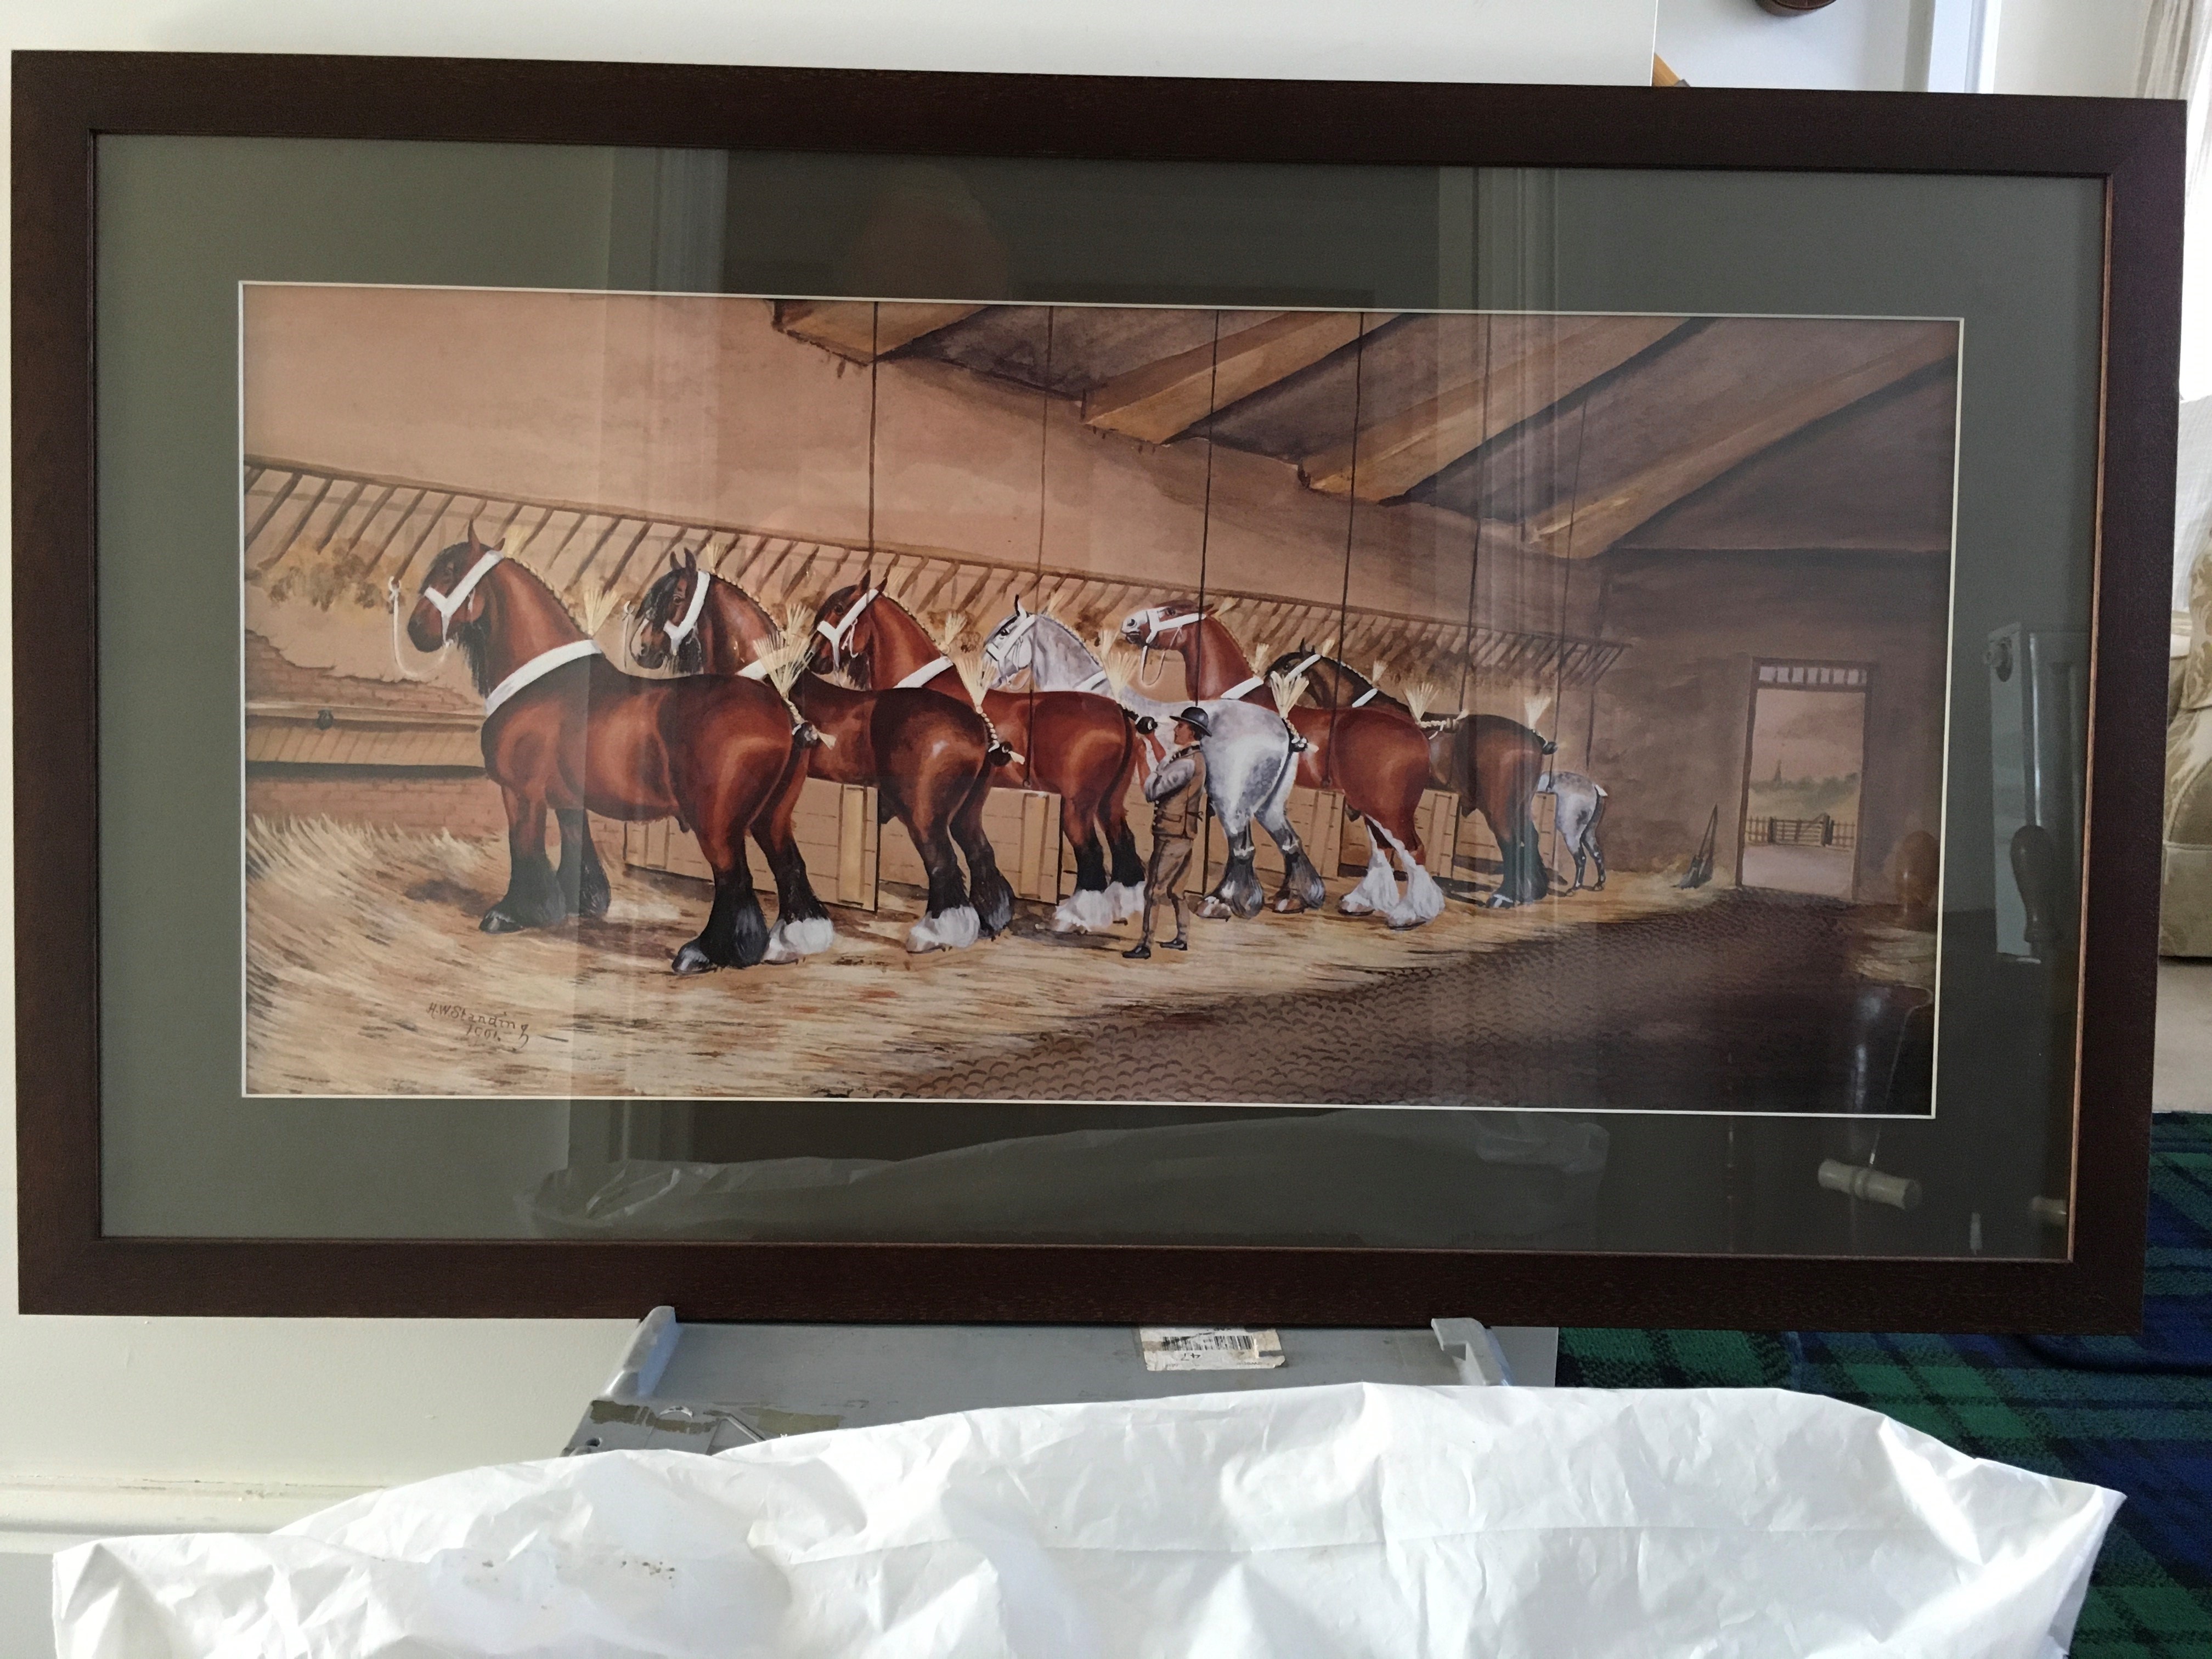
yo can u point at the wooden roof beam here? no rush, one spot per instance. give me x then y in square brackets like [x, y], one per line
[1585, 527]
[862, 329]
[1161, 399]
[1532, 363]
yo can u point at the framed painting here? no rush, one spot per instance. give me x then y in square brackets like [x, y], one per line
[856, 696]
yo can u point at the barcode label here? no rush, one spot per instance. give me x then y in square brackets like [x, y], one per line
[1208, 1348]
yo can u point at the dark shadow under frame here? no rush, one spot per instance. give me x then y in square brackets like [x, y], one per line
[64, 100]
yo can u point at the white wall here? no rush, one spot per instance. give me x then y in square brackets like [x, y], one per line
[1854, 44]
[147, 1425]
[2078, 48]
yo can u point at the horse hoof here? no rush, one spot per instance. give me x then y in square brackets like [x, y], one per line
[1212, 910]
[1087, 910]
[1289, 904]
[1498, 901]
[949, 930]
[791, 941]
[693, 960]
[498, 921]
[1355, 907]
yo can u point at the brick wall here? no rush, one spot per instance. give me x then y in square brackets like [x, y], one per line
[271, 677]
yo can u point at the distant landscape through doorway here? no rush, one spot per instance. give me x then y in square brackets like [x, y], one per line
[1803, 779]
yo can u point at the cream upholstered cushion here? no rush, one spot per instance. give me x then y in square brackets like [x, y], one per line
[2185, 896]
[2196, 677]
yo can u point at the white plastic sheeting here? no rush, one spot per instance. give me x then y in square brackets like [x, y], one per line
[1367, 1520]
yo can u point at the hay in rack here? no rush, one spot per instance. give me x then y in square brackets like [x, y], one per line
[1419, 697]
[1117, 659]
[596, 605]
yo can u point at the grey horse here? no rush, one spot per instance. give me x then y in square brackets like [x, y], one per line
[1576, 805]
[1251, 756]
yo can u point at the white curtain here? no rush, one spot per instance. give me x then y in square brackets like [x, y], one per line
[2176, 63]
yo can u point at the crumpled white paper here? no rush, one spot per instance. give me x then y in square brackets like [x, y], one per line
[1385, 1520]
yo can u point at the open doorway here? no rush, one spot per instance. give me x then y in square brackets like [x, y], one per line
[1802, 778]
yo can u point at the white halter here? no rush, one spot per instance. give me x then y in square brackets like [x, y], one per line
[1243, 688]
[843, 630]
[445, 606]
[1367, 696]
[1008, 637]
[678, 632]
[1158, 622]
[922, 676]
[537, 668]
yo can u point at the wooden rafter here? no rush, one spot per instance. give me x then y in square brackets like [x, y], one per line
[1531, 363]
[862, 329]
[1161, 399]
[1584, 526]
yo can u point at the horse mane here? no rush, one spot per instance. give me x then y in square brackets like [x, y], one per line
[1196, 654]
[1252, 651]
[690, 656]
[1076, 619]
[1290, 660]
[475, 637]
[475, 640]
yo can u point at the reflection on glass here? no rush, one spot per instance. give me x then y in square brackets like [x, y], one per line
[1573, 677]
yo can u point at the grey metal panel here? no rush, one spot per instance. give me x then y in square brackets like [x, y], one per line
[707, 1388]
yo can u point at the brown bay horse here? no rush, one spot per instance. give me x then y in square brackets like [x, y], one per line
[1492, 763]
[927, 758]
[1082, 747]
[1378, 757]
[565, 730]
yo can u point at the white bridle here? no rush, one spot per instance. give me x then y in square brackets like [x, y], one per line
[445, 606]
[843, 630]
[1012, 633]
[1009, 636]
[1157, 622]
[677, 632]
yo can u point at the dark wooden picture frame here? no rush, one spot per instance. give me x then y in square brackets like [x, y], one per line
[64, 101]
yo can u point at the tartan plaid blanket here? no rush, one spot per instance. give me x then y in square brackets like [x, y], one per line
[2132, 1413]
